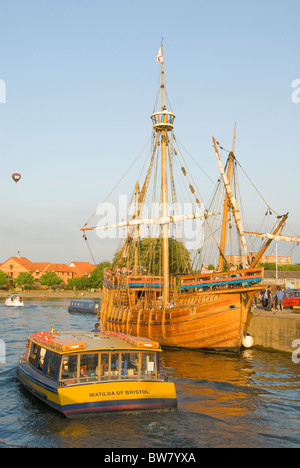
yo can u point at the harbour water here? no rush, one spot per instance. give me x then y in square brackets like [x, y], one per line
[246, 400]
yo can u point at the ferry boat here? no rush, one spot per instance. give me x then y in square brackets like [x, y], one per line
[84, 305]
[80, 372]
[14, 300]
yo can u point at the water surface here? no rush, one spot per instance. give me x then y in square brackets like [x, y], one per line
[246, 400]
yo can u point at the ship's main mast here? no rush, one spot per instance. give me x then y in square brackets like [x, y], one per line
[163, 123]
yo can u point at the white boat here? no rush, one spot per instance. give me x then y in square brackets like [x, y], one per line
[14, 300]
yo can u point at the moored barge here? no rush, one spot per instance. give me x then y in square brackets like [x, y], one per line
[85, 305]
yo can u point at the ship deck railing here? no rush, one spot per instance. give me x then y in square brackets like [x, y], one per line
[124, 281]
[228, 279]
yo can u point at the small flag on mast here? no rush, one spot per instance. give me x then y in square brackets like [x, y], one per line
[160, 55]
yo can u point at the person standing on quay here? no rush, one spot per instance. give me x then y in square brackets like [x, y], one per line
[279, 295]
[270, 299]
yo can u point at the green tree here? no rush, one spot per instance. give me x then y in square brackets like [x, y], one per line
[150, 256]
[285, 267]
[94, 280]
[78, 283]
[50, 279]
[96, 277]
[24, 279]
[3, 278]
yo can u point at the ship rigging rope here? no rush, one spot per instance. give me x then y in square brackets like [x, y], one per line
[224, 149]
[197, 201]
[269, 211]
[120, 180]
[256, 188]
[196, 162]
[185, 174]
[89, 248]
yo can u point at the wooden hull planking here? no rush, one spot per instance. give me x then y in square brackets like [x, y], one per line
[202, 320]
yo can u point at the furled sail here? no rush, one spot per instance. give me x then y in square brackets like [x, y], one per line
[159, 221]
[276, 237]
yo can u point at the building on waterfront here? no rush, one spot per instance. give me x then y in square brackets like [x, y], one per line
[16, 265]
[281, 259]
[285, 279]
[241, 259]
[82, 268]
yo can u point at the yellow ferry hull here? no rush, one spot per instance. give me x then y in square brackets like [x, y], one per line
[100, 397]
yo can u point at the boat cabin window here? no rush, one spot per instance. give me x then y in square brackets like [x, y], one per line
[129, 363]
[52, 362]
[89, 366]
[148, 365]
[104, 366]
[33, 353]
[27, 350]
[124, 364]
[114, 365]
[132, 365]
[41, 359]
[69, 369]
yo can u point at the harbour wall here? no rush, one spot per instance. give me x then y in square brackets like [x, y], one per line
[275, 330]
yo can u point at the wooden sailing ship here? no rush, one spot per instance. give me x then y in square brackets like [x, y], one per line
[207, 310]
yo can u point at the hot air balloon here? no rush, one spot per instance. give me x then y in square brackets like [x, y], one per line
[16, 177]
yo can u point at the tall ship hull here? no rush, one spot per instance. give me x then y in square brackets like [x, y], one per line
[215, 318]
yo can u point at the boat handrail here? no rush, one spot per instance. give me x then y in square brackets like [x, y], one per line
[146, 280]
[61, 343]
[139, 342]
[231, 278]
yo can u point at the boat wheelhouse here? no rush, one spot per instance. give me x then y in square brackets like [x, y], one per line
[79, 372]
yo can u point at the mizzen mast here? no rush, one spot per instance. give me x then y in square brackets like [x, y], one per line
[226, 207]
[232, 200]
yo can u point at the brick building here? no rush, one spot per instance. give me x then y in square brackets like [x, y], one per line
[16, 265]
[238, 259]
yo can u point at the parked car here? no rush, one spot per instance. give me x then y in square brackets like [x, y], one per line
[291, 298]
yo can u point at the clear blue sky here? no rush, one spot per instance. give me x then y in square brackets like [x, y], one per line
[81, 81]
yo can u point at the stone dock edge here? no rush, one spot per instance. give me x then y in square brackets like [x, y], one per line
[274, 330]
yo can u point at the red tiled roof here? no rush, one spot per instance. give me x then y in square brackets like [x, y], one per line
[77, 268]
[83, 268]
[39, 266]
[23, 261]
[57, 267]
